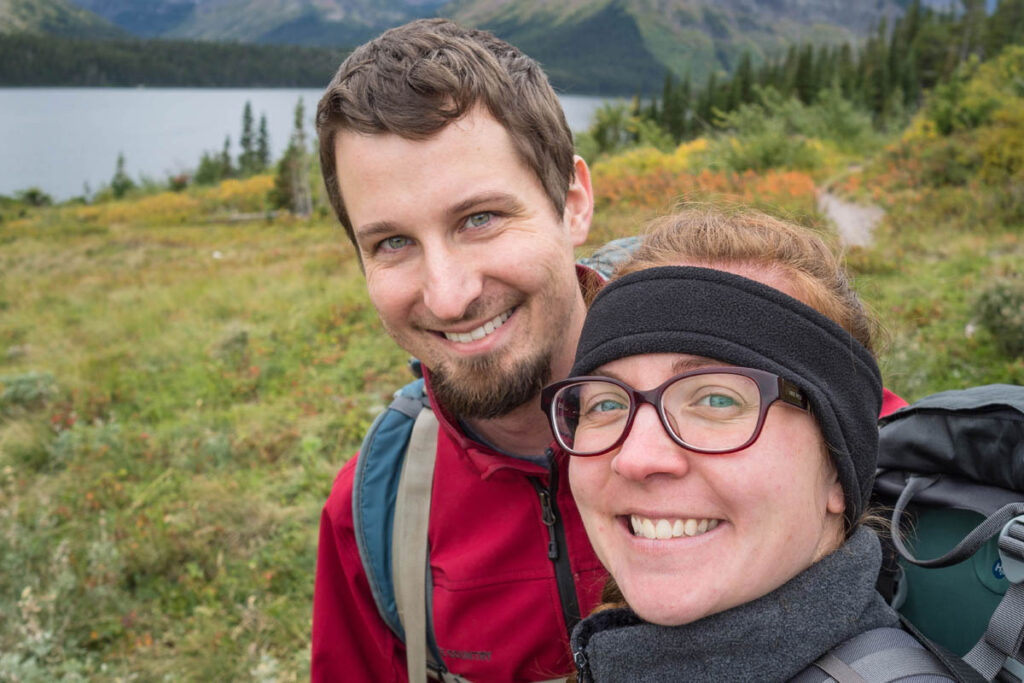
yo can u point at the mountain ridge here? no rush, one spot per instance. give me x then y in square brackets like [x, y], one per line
[586, 46]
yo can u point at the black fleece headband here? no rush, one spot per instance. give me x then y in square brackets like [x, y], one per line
[703, 312]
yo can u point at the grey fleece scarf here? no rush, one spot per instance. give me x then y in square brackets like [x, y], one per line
[772, 638]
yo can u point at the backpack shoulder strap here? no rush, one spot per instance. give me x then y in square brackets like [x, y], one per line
[878, 656]
[374, 493]
[609, 256]
[409, 551]
[1000, 647]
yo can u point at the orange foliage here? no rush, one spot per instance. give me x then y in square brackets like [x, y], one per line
[661, 188]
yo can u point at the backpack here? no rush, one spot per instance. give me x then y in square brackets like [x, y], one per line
[952, 465]
[391, 505]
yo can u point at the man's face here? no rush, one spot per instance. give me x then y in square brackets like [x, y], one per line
[466, 261]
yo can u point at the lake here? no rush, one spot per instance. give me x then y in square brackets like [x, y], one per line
[66, 140]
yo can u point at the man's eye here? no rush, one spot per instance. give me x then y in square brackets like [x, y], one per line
[478, 220]
[393, 243]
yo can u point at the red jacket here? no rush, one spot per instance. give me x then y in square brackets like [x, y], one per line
[496, 608]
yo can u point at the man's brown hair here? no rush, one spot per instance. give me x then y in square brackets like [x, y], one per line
[415, 79]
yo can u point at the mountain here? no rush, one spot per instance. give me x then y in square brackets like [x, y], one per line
[54, 17]
[580, 40]
[600, 46]
[307, 22]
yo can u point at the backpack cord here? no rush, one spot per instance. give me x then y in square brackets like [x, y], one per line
[966, 547]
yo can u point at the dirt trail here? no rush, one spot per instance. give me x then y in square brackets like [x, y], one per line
[853, 221]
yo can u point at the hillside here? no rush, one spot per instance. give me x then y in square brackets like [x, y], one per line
[54, 17]
[599, 46]
[308, 22]
[693, 37]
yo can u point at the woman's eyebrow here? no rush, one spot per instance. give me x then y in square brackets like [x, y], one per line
[686, 364]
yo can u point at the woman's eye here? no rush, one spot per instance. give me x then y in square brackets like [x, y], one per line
[478, 220]
[606, 406]
[717, 401]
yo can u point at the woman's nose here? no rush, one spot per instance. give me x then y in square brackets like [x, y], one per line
[648, 449]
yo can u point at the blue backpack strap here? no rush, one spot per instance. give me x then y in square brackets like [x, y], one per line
[609, 256]
[374, 490]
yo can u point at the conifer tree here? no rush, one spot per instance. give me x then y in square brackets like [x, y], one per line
[1004, 27]
[803, 80]
[263, 144]
[743, 80]
[673, 113]
[226, 169]
[291, 183]
[120, 184]
[247, 159]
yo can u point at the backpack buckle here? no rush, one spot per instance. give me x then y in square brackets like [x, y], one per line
[1011, 549]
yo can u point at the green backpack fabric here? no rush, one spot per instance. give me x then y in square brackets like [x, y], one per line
[951, 467]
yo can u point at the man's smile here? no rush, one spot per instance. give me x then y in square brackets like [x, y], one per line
[482, 331]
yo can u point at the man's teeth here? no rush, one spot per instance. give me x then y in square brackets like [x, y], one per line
[663, 528]
[480, 332]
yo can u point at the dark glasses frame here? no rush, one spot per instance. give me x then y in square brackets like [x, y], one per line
[771, 387]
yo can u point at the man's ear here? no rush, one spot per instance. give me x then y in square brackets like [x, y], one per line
[579, 203]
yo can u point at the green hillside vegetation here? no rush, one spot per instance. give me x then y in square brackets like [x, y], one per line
[55, 18]
[885, 78]
[179, 386]
[45, 60]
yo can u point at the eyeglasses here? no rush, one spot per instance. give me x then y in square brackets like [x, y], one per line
[711, 410]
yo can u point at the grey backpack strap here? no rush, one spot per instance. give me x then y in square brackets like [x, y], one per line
[409, 542]
[838, 669]
[877, 656]
[1000, 648]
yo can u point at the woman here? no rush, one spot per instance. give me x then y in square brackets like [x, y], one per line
[723, 406]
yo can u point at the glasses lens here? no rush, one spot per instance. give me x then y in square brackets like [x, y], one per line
[713, 412]
[590, 416]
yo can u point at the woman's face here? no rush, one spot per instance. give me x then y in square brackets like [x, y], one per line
[751, 520]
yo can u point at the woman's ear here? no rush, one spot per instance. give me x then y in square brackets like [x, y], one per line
[836, 503]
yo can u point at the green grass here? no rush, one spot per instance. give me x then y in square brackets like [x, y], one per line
[172, 427]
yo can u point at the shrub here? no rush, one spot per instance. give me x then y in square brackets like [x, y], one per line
[767, 150]
[28, 391]
[1001, 313]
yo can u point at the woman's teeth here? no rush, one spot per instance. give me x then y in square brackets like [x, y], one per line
[480, 332]
[663, 528]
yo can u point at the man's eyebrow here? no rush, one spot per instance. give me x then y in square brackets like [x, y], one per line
[508, 202]
[371, 230]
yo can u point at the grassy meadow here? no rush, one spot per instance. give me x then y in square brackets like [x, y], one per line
[178, 388]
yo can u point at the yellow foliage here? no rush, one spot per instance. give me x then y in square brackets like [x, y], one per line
[1002, 146]
[642, 160]
[238, 195]
[166, 207]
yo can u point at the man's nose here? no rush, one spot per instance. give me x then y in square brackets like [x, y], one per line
[452, 281]
[648, 449]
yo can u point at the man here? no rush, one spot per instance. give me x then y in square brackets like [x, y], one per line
[449, 163]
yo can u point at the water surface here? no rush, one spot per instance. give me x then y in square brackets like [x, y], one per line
[66, 140]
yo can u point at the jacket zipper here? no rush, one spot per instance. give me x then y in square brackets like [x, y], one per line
[556, 544]
[582, 666]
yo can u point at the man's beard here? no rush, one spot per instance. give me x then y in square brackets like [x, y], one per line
[481, 388]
